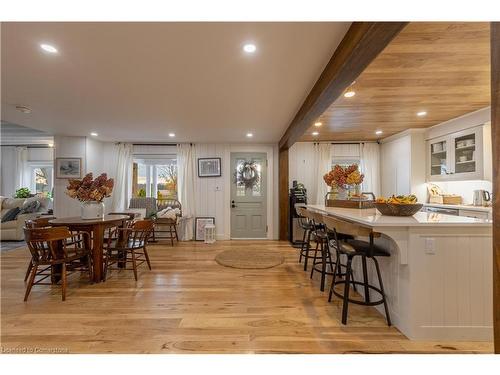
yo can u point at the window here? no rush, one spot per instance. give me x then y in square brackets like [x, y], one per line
[41, 177]
[155, 177]
[346, 154]
[345, 162]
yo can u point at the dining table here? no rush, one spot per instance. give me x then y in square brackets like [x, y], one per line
[96, 228]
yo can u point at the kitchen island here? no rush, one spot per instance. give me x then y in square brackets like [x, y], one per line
[438, 279]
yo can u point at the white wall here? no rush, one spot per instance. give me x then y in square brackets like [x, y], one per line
[67, 147]
[97, 157]
[213, 194]
[8, 161]
[301, 166]
[464, 188]
[40, 154]
[301, 163]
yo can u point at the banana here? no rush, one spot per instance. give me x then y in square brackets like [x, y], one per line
[400, 199]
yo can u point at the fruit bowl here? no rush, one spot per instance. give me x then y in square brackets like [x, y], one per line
[394, 209]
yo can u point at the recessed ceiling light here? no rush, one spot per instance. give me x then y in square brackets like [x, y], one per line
[48, 48]
[421, 113]
[171, 135]
[94, 134]
[349, 94]
[315, 133]
[318, 124]
[249, 135]
[378, 132]
[23, 109]
[249, 48]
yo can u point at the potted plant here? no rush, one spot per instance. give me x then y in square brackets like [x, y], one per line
[23, 192]
[91, 192]
[341, 180]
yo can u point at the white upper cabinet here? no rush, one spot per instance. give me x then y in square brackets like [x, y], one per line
[463, 155]
[402, 164]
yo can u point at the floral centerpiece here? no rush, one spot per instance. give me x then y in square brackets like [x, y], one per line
[340, 179]
[91, 192]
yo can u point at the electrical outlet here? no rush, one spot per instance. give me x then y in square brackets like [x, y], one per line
[430, 246]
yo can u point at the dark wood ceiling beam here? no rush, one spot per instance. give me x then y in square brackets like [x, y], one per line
[361, 44]
[495, 132]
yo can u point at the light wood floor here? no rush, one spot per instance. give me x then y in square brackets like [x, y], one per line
[190, 304]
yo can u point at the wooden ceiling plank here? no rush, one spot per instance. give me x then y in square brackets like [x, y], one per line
[441, 68]
[361, 44]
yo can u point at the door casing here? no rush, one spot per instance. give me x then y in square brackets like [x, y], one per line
[272, 212]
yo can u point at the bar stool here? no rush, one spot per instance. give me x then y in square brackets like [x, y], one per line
[325, 257]
[351, 249]
[307, 225]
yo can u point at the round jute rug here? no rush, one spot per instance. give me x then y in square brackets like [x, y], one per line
[249, 259]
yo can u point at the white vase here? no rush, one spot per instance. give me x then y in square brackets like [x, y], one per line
[92, 210]
[342, 193]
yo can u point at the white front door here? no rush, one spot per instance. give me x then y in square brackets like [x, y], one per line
[248, 195]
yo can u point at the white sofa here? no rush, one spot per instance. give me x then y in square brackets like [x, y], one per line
[13, 230]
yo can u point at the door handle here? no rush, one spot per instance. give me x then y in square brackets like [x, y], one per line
[232, 204]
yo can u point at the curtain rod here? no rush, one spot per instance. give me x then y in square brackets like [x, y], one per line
[154, 144]
[347, 142]
[27, 145]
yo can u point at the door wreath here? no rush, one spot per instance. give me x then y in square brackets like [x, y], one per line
[247, 175]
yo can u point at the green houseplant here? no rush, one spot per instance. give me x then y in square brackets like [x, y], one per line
[23, 193]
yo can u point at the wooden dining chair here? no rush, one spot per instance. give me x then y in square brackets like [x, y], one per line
[129, 247]
[111, 233]
[52, 256]
[41, 222]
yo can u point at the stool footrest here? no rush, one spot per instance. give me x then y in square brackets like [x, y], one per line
[364, 303]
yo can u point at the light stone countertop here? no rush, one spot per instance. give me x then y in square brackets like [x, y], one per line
[372, 218]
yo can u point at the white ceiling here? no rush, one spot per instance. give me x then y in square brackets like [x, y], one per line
[140, 81]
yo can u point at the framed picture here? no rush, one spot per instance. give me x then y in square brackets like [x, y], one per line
[199, 227]
[68, 167]
[209, 167]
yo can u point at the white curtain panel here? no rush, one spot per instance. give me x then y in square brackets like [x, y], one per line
[370, 167]
[186, 179]
[123, 181]
[21, 166]
[323, 164]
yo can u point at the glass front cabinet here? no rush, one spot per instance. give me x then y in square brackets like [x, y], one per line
[458, 156]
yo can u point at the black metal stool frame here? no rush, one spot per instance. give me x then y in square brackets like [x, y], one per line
[349, 274]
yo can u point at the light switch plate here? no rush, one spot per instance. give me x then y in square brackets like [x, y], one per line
[430, 246]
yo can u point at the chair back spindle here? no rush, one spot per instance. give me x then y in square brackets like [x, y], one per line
[43, 242]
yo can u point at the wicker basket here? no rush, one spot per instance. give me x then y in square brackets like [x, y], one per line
[391, 209]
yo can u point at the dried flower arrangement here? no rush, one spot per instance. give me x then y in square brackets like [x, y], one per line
[339, 176]
[87, 189]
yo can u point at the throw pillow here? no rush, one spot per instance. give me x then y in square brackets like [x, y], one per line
[11, 214]
[29, 207]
